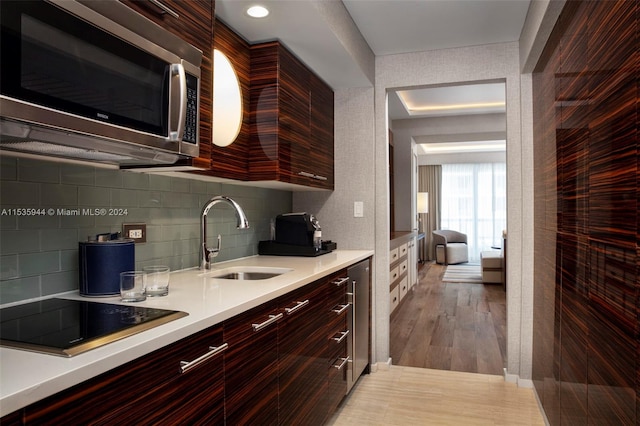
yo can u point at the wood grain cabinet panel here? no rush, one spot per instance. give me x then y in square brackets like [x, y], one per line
[301, 347]
[586, 365]
[321, 126]
[194, 24]
[149, 390]
[251, 366]
[231, 162]
[291, 120]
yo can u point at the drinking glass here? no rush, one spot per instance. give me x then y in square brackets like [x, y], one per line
[157, 280]
[132, 286]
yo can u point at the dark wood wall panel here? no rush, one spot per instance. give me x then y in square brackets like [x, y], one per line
[545, 370]
[586, 182]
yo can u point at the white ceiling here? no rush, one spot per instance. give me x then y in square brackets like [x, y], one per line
[388, 27]
[444, 101]
[401, 26]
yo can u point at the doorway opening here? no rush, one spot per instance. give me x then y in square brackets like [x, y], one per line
[457, 325]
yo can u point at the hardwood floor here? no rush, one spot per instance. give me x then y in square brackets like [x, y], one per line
[450, 326]
[417, 396]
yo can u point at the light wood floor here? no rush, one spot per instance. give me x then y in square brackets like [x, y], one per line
[450, 326]
[418, 396]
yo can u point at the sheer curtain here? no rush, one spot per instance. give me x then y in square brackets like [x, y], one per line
[474, 201]
[429, 180]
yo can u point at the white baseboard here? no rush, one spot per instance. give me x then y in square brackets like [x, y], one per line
[382, 366]
[514, 378]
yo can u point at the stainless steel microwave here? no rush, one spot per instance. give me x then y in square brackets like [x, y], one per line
[95, 80]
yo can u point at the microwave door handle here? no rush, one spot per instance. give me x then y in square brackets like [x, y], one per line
[177, 107]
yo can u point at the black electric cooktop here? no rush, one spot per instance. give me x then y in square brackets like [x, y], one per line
[69, 327]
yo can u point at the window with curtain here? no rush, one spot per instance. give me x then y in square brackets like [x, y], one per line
[474, 201]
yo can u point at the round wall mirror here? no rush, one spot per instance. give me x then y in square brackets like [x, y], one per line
[227, 101]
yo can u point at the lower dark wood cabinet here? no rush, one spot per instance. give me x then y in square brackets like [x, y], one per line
[251, 366]
[149, 390]
[284, 362]
[302, 371]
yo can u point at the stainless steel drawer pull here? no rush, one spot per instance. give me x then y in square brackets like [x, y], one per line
[299, 305]
[318, 177]
[340, 309]
[343, 335]
[165, 8]
[271, 320]
[344, 362]
[213, 351]
[306, 174]
[340, 281]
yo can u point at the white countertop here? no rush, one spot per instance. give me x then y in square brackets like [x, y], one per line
[26, 377]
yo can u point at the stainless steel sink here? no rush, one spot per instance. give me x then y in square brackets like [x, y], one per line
[246, 276]
[247, 273]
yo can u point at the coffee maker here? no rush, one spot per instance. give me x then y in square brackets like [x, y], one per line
[296, 234]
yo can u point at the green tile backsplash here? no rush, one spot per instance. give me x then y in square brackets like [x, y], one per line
[39, 253]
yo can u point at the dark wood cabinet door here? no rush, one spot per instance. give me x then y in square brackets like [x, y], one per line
[149, 390]
[231, 161]
[291, 120]
[251, 366]
[294, 134]
[194, 24]
[301, 366]
[321, 153]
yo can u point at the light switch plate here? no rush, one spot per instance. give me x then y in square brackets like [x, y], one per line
[358, 209]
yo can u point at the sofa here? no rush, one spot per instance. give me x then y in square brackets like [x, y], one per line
[451, 246]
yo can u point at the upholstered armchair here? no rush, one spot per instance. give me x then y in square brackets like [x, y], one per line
[451, 247]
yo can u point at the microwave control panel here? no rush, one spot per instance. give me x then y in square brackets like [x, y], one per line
[191, 119]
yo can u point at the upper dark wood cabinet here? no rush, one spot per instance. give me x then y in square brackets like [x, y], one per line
[194, 24]
[291, 120]
[231, 162]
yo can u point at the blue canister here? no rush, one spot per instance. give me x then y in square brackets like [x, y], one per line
[101, 262]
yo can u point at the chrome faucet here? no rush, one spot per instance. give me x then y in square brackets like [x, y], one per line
[207, 254]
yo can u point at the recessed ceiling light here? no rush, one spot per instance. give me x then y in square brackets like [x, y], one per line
[257, 11]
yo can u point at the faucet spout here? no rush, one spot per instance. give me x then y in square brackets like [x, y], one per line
[207, 254]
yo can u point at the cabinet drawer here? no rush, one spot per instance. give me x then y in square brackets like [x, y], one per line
[336, 351]
[393, 255]
[403, 250]
[404, 267]
[394, 274]
[337, 286]
[337, 379]
[128, 392]
[394, 298]
[404, 287]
